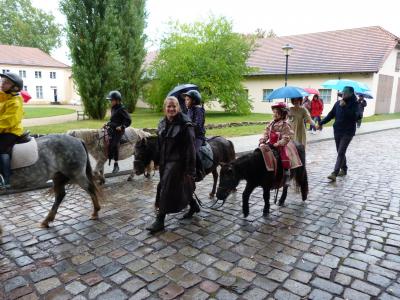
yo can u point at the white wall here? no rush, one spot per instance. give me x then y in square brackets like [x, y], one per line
[48, 84]
[256, 85]
[388, 68]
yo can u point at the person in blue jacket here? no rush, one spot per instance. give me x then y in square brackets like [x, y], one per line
[346, 114]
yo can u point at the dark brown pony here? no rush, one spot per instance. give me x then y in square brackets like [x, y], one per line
[146, 151]
[251, 167]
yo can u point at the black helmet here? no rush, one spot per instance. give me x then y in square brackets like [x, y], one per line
[19, 83]
[195, 95]
[114, 95]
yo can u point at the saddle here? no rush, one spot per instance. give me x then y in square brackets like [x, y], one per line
[206, 156]
[271, 156]
[25, 153]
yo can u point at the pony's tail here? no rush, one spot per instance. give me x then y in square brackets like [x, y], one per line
[94, 187]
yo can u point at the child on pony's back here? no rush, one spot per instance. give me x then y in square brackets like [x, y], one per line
[11, 114]
[278, 134]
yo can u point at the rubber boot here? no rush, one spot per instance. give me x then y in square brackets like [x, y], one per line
[194, 208]
[5, 163]
[158, 224]
[286, 178]
[200, 172]
[116, 168]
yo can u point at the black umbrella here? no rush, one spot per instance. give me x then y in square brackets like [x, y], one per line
[179, 90]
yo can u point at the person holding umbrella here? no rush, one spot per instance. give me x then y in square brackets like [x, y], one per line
[11, 114]
[120, 119]
[196, 114]
[346, 113]
[362, 103]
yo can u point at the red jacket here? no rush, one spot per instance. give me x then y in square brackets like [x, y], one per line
[317, 106]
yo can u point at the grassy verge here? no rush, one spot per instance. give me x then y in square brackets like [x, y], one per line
[144, 118]
[42, 112]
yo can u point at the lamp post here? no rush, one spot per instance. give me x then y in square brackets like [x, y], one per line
[287, 50]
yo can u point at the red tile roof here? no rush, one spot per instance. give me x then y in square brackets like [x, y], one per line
[342, 51]
[27, 56]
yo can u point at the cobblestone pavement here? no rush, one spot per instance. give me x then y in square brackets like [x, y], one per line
[342, 243]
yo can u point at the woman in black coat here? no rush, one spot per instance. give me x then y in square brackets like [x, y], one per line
[177, 163]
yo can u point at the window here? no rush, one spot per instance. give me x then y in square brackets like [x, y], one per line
[325, 95]
[39, 92]
[266, 92]
[25, 88]
[38, 74]
[53, 75]
[397, 68]
[5, 71]
[22, 73]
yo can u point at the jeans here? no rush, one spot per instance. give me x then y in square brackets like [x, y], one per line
[342, 143]
[316, 120]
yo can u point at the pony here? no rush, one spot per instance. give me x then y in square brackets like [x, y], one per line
[146, 151]
[63, 159]
[95, 141]
[251, 167]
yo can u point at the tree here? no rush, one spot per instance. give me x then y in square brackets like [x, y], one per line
[262, 33]
[91, 31]
[24, 25]
[130, 45]
[208, 54]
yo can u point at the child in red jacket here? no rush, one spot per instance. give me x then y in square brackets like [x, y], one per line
[317, 106]
[278, 134]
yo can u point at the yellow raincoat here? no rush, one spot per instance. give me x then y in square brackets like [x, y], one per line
[11, 113]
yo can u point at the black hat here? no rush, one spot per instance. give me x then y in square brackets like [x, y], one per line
[19, 83]
[114, 95]
[195, 95]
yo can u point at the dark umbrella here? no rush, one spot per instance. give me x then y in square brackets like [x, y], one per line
[179, 90]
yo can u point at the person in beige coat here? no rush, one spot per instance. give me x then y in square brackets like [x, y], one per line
[297, 115]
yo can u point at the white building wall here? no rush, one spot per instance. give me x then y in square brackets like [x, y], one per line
[256, 85]
[389, 68]
[48, 84]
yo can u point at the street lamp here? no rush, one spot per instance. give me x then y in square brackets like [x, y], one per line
[287, 50]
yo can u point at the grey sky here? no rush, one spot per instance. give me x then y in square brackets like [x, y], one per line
[284, 17]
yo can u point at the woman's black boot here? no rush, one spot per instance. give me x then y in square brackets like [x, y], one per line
[194, 208]
[158, 224]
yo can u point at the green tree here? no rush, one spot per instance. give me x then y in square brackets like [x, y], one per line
[130, 41]
[24, 25]
[208, 54]
[91, 31]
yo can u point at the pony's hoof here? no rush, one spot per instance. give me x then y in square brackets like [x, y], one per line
[94, 217]
[44, 225]
[211, 196]
[281, 203]
[265, 213]
[130, 178]
[245, 214]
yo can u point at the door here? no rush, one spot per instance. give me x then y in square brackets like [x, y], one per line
[384, 94]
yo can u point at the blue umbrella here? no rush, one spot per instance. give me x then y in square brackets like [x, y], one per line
[339, 84]
[366, 95]
[287, 92]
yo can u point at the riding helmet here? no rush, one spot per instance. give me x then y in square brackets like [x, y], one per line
[17, 80]
[114, 95]
[195, 95]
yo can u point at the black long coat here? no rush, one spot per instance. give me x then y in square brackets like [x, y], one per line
[177, 161]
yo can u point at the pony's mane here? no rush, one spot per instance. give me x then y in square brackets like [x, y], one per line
[87, 135]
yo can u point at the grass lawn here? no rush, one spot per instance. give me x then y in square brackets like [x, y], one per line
[145, 118]
[41, 112]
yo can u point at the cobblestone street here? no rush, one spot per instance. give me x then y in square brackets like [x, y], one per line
[342, 243]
